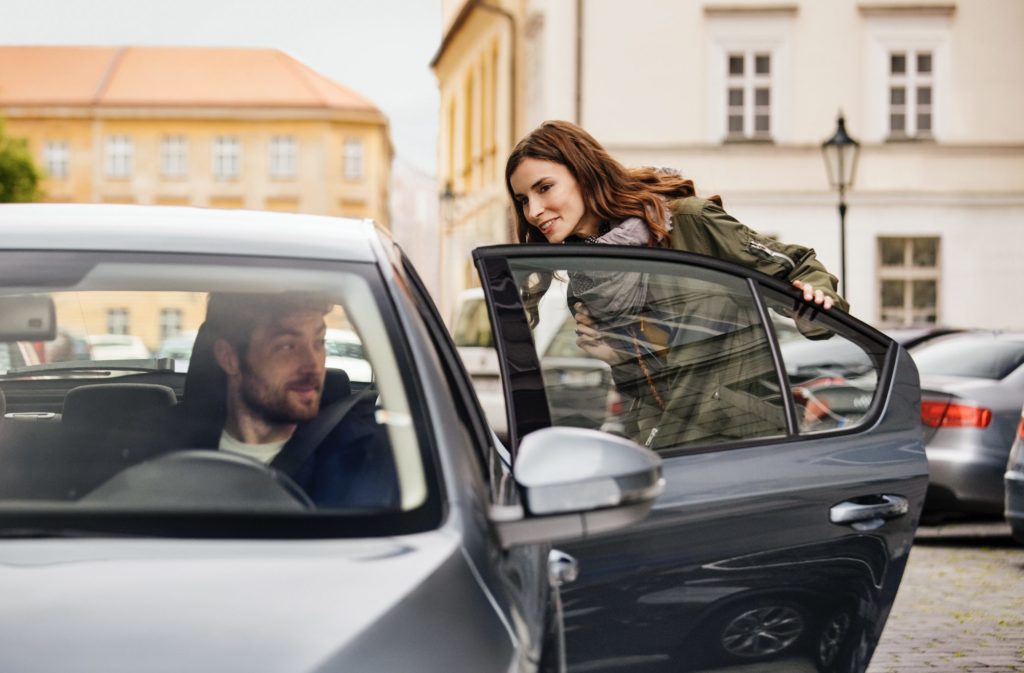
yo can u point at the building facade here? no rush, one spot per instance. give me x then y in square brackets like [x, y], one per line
[739, 95]
[223, 128]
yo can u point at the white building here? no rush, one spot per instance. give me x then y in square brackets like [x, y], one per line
[739, 95]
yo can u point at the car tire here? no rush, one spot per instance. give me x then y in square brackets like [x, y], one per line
[833, 640]
[761, 630]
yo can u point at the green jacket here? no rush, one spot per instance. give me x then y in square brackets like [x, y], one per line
[703, 227]
[715, 379]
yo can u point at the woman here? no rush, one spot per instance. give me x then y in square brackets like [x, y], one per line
[566, 188]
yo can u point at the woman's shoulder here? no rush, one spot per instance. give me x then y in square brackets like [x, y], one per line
[689, 205]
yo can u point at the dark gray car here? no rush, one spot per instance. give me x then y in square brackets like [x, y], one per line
[792, 493]
[972, 391]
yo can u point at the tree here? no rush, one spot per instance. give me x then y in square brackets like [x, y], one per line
[19, 177]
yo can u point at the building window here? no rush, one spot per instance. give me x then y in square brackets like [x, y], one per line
[120, 151]
[908, 281]
[353, 158]
[170, 322]
[118, 321]
[227, 157]
[911, 91]
[56, 159]
[173, 156]
[283, 151]
[748, 95]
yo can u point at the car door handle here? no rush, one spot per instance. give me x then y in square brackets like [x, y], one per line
[869, 512]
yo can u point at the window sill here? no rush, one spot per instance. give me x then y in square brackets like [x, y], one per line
[748, 141]
[910, 140]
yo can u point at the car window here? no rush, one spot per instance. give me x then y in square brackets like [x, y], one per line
[134, 371]
[680, 356]
[472, 327]
[832, 380]
[974, 355]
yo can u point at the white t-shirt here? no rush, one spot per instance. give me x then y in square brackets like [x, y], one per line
[261, 452]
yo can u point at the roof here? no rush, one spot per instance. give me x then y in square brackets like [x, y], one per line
[176, 229]
[167, 76]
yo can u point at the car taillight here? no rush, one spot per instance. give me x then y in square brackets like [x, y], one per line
[953, 415]
[1020, 428]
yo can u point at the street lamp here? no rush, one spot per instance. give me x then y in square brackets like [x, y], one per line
[840, 152]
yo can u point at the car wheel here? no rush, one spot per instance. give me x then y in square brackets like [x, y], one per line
[761, 630]
[832, 639]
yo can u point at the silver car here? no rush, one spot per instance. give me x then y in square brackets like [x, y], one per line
[1014, 480]
[972, 391]
[775, 539]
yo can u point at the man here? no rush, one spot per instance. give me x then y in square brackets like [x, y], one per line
[270, 347]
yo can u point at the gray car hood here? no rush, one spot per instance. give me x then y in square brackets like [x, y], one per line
[97, 605]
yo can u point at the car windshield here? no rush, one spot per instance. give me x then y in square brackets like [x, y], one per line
[124, 399]
[982, 356]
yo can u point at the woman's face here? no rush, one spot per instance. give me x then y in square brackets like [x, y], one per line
[551, 201]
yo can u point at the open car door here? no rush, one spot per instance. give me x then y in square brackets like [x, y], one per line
[791, 441]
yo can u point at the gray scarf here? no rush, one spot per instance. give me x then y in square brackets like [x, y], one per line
[613, 299]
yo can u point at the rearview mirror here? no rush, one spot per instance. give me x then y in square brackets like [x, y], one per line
[27, 318]
[576, 482]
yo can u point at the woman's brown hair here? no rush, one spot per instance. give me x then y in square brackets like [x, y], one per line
[610, 190]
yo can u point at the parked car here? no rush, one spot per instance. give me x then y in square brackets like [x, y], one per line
[178, 348]
[778, 541]
[1014, 481]
[117, 347]
[69, 346]
[345, 351]
[471, 331]
[972, 391]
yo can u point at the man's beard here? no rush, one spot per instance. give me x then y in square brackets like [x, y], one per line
[271, 404]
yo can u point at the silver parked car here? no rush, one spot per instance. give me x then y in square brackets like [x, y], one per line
[1014, 480]
[972, 391]
[135, 537]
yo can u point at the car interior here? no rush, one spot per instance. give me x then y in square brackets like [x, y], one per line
[143, 434]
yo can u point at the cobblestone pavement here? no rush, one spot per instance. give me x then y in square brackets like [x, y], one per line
[960, 608]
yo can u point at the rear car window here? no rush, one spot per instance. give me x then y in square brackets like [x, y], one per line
[975, 356]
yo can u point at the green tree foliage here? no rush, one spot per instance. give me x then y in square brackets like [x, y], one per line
[19, 177]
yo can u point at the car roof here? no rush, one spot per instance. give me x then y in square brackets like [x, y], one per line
[136, 228]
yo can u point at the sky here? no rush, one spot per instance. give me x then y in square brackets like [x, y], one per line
[380, 48]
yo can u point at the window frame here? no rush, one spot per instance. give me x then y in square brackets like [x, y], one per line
[908, 273]
[57, 153]
[119, 156]
[353, 158]
[173, 156]
[227, 157]
[283, 156]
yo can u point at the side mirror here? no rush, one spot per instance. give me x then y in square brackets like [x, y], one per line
[29, 317]
[575, 483]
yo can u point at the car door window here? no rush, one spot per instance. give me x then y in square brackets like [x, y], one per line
[832, 378]
[679, 356]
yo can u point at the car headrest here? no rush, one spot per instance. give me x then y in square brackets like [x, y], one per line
[105, 405]
[336, 387]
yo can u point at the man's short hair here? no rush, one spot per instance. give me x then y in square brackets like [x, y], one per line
[235, 316]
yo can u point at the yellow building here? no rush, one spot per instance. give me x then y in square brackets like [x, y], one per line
[225, 128]
[475, 67]
[222, 128]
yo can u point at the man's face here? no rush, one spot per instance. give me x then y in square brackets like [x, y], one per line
[283, 371]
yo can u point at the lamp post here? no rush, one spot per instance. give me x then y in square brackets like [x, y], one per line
[447, 213]
[840, 152]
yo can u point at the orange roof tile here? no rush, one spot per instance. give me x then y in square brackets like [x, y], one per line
[167, 76]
